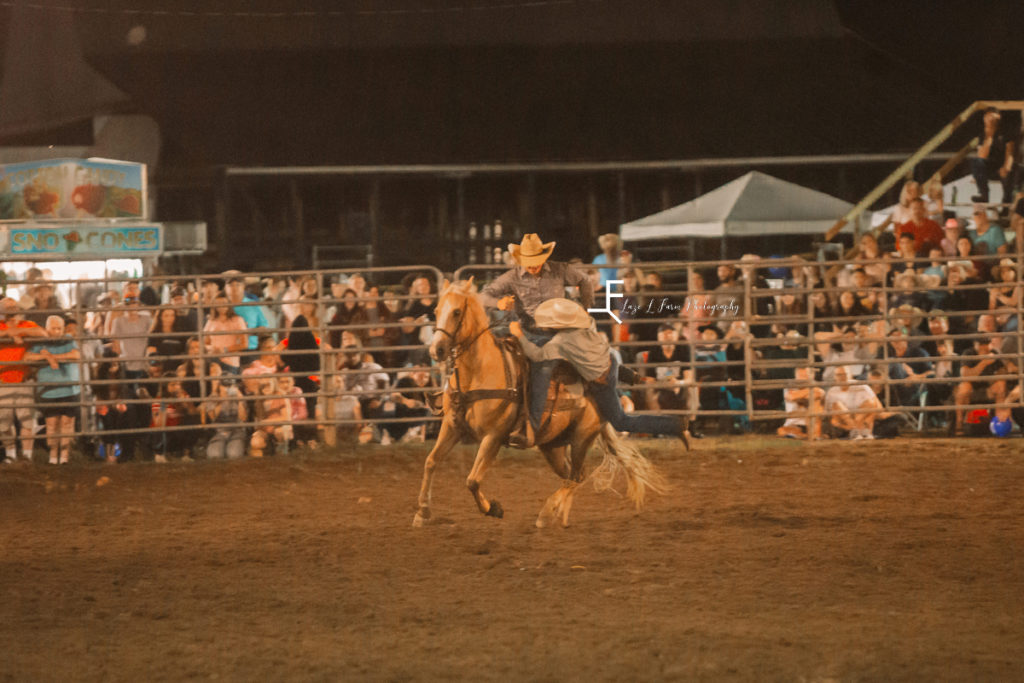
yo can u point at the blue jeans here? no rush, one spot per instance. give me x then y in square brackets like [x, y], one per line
[607, 399]
[983, 171]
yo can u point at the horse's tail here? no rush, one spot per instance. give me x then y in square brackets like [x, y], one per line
[622, 456]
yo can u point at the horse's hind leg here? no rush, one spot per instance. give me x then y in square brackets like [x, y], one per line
[582, 440]
[556, 457]
[489, 447]
[446, 440]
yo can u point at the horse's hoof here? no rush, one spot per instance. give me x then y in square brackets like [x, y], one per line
[495, 510]
[540, 523]
[420, 519]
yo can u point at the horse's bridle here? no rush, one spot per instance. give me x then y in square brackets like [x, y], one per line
[457, 348]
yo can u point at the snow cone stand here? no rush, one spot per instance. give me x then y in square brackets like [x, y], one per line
[83, 219]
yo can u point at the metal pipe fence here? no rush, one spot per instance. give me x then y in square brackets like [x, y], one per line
[743, 344]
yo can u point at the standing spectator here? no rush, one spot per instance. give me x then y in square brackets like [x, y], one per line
[940, 348]
[60, 391]
[129, 333]
[188, 320]
[303, 352]
[273, 293]
[225, 335]
[377, 314]
[167, 338]
[996, 156]
[1004, 296]
[365, 380]
[289, 305]
[247, 306]
[611, 253]
[926, 232]
[112, 394]
[44, 303]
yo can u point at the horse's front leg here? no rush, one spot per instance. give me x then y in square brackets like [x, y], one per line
[489, 447]
[446, 440]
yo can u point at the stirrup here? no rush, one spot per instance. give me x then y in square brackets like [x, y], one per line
[523, 437]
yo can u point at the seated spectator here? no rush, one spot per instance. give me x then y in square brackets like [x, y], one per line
[909, 365]
[843, 347]
[226, 409]
[668, 364]
[173, 407]
[273, 292]
[779, 362]
[844, 399]
[964, 250]
[848, 306]
[273, 413]
[976, 365]
[926, 232]
[952, 232]
[988, 240]
[411, 397]
[305, 435]
[934, 204]
[996, 155]
[803, 398]
[377, 314]
[59, 391]
[350, 312]
[187, 317]
[934, 275]
[907, 319]
[710, 373]
[866, 297]
[887, 424]
[365, 380]
[420, 308]
[904, 260]
[225, 335]
[267, 363]
[822, 309]
[907, 293]
[938, 345]
[958, 301]
[910, 191]
[1004, 297]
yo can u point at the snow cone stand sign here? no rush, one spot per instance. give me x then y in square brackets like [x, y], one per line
[37, 241]
[70, 190]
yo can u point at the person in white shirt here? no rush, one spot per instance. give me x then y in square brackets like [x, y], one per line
[844, 398]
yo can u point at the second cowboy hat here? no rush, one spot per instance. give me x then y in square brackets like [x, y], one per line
[531, 251]
[561, 314]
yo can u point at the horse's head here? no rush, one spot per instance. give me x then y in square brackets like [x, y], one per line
[456, 303]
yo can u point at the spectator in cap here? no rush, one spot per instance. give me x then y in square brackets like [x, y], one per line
[247, 306]
[951, 232]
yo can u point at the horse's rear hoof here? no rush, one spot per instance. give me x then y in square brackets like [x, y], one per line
[420, 519]
[495, 510]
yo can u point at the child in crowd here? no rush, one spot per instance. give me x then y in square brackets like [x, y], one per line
[172, 408]
[304, 434]
[272, 415]
[112, 393]
[225, 408]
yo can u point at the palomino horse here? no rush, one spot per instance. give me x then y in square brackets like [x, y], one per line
[482, 403]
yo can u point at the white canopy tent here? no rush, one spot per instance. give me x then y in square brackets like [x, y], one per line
[754, 204]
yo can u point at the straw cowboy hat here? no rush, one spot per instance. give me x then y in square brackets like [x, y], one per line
[561, 314]
[531, 252]
[610, 241]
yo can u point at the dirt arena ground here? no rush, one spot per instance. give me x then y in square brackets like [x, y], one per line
[769, 560]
